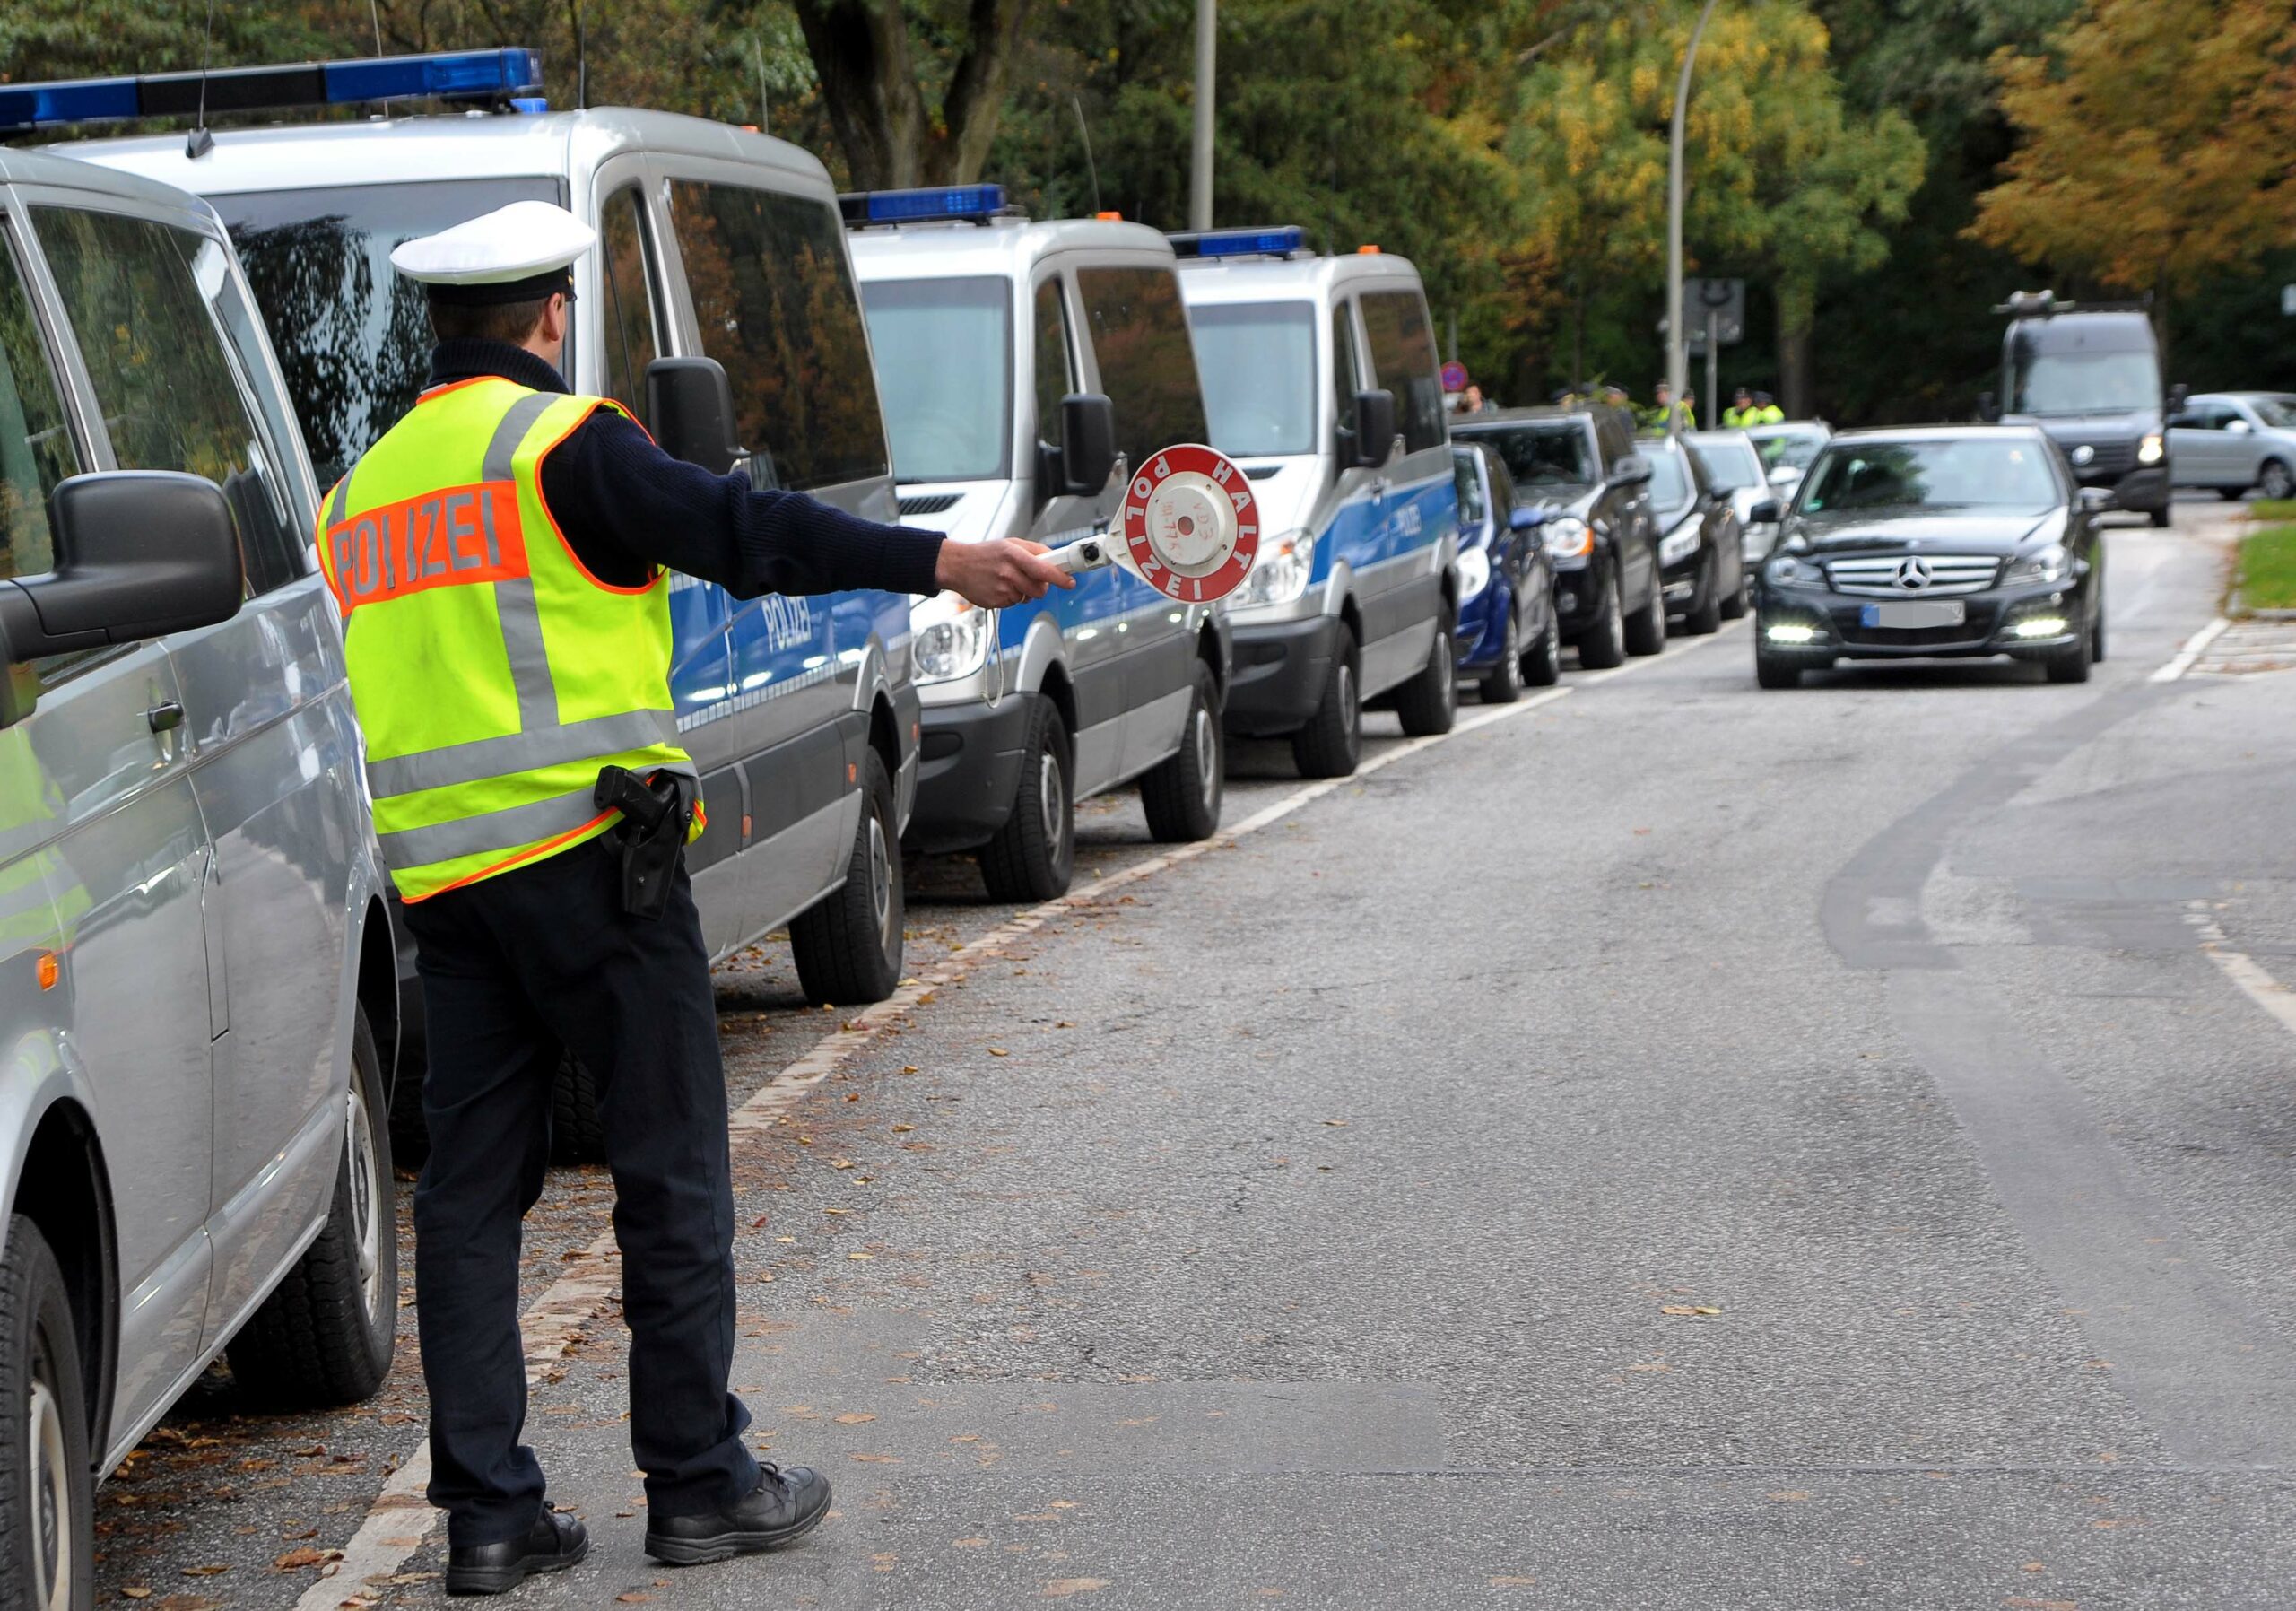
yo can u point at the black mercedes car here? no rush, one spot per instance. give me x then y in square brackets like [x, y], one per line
[1943, 542]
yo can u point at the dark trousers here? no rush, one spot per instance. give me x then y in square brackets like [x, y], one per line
[513, 969]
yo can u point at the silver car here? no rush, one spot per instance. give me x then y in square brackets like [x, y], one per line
[2236, 442]
[195, 963]
[1734, 464]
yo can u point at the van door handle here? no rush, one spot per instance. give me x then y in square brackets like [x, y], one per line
[165, 717]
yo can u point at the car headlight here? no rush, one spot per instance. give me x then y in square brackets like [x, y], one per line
[1679, 544]
[1281, 572]
[1475, 573]
[1568, 537]
[2050, 564]
[1787, 571]
[952, 637]
[2148, 451]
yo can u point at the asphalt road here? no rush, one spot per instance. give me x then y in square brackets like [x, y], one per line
[1669, 1146]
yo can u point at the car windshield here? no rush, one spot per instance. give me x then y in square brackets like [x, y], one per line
[352, 335]
[944, 351]
[2087, 382]
[1552, 453]
[1669, 479]
[1258, 364]
[1729, 464]
[1948, 474]
[2279, 412]
[1795, 448]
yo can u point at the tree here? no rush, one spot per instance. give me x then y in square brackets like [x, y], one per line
[2155, 144]
[875, 96]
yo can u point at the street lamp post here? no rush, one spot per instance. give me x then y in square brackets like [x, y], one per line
[1199, 177]
[1677, 352]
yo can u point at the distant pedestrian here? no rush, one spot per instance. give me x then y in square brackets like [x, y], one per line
[1765, 410]
[1741, 412]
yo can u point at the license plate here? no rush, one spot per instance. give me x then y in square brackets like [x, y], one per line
[1914, 612]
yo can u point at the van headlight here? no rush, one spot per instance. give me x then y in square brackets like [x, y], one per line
[951, 637]
[1475, 573]
[2050, 564]
[2148, 451]
[1568, 537]
[1281, 572]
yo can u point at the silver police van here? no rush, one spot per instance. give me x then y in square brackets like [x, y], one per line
[197, 981]
[716, 243]
[1321, 379]
[1022, 366]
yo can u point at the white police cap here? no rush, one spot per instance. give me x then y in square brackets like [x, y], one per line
[520, 253]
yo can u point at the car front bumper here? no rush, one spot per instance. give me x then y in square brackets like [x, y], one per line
[967, 772]
[1838, 629]
[1280, 669]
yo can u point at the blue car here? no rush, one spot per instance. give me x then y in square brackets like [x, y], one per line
[1508, 633]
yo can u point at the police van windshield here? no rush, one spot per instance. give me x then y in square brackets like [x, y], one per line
[2087, 382]
[944, 372]
[351, 333]
[1258, 364]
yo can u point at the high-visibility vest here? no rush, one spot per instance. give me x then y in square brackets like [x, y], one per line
[492, 674]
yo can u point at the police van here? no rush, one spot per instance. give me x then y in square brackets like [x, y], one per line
[714, 242]
[1023, 366]
[1320, 379]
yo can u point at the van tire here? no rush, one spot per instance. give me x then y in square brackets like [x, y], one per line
[577, 1134]
[326, 1334]
[1182, 794]
[1602, 643]
[2159, 517]
[41, 1396]
[847, 946]
[1646, 628]
[1429, 702]
[1331, 743]
[1033, 856]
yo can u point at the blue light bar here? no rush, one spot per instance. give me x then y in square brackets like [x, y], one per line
[975, 203]
[1280, 242]
[486, 75]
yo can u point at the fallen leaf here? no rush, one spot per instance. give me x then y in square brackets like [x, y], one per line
[204, 1572]
[1062, 1588]
[636, 1597]
[1688, 1309]
[909, 1068]
[969, 1543]
[1336, 1124]
[903, 1129]
[860, 1258]
[998, 1051]
[840, 1164]
[878, 1459]
[855, 1418]
[295, 1560]
[136, 1591]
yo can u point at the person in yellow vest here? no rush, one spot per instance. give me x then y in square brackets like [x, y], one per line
[1742, 411]
[1766, 411]
[500, 560]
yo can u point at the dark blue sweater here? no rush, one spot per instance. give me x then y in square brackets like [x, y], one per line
[626, 506]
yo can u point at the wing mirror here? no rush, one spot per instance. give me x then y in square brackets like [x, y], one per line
[1765, 512]
[1372, 442]
[1081, 465]
[1988, 407]
[2098, 500]
[2238, 427]
[1631, 471]
[1523, 518]
[1784, 476]
[691, 406]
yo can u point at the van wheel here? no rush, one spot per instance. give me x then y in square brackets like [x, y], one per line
[1602, 644]
[2159, 517]
[847, 944]
[1502, 685]
[1331, 743]
[576, 1134]
[1182, 795]
[325, 1336]
[47, 1500]
[1646, 628]
[1542, 666]
[1033, 856]
[1429, 702]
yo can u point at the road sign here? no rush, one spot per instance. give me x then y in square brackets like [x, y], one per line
[1454, 376]
[1725, 300]
[1191, 526]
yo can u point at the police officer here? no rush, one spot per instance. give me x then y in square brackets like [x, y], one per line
[500, 559]
[1766, 411]
[1741, 412]
[1656, 415]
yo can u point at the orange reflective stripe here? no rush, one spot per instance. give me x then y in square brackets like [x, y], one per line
[449, 538]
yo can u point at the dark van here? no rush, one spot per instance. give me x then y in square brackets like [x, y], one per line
[2090, 377]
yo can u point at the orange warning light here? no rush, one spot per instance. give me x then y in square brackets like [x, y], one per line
[1110, 217]
[1367, 251]
[49, 970]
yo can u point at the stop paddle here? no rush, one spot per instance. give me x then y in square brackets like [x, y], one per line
[1190, 527]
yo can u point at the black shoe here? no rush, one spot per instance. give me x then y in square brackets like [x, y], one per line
[554, 1543]
[783, 1506]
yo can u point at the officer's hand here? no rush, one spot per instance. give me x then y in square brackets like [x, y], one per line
[1001, 572]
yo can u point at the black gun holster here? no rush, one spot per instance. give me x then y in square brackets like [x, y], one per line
[657, 813]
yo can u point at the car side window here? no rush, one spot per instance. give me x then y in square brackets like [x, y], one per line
[36, 447]
[626, 288]
[1403, 356]
[144, 298]
[1146, 358]
[1053, 372]
[773, 297]
[1346, 374]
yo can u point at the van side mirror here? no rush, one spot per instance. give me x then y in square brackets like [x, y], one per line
[1372, 442]
[1988, 407]
[691, 404]
[138, 552]
[1766, 513]
[1086, 458]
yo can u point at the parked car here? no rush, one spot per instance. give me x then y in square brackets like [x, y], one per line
[714, 242]
[1579, 468]
[1787, 450]
[1022, 364]
[1954, 541]
[1507, 634]
[1733, 464]
[1320, 379]
[1700, 556]
[197, 993]
[2236, 442]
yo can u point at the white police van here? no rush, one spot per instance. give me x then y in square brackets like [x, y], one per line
[1321, 381]
[1023, 365]
[715, 243]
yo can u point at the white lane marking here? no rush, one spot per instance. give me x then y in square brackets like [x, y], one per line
[400, 1519]
[2192, 650]
[2243, 970]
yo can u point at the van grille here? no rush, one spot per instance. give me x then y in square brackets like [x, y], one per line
[929, 503]
[1949, 573]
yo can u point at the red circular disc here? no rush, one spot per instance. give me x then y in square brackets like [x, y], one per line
[1165, 505]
